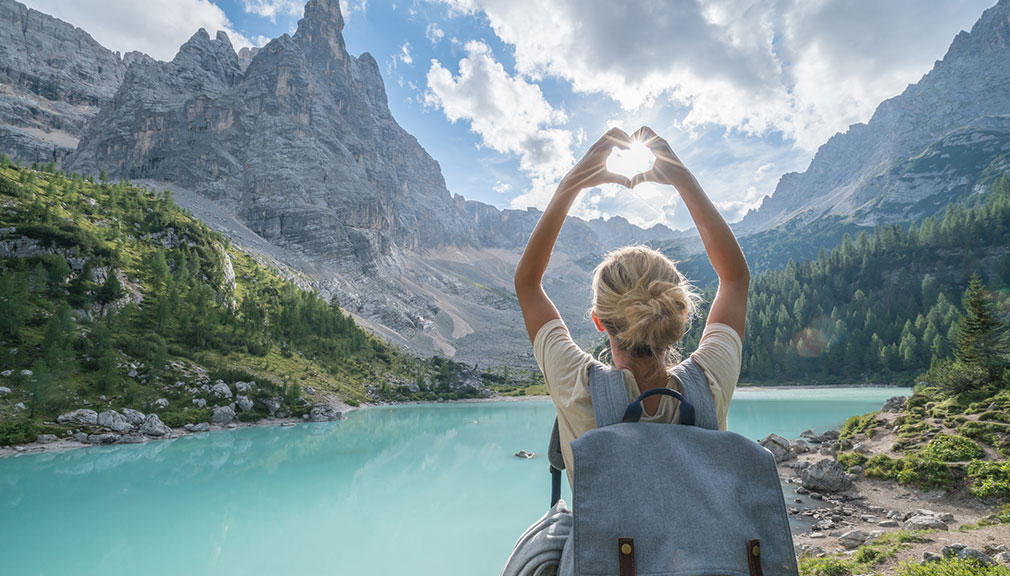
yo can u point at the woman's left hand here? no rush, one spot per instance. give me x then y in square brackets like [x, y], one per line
[592, 169]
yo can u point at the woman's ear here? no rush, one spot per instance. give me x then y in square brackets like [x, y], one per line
[596, 320]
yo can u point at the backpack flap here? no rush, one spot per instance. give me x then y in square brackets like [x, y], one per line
[691, 499]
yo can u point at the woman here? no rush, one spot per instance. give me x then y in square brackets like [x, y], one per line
[640, 299]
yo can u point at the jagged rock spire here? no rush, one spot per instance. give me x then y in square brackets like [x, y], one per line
[320, 34]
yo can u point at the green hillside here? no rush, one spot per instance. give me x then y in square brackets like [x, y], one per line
[112, 296]
[881, 307]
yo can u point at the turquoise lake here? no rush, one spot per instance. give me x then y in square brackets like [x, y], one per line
[406, 490]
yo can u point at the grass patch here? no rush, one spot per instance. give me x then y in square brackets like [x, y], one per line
[951, 567]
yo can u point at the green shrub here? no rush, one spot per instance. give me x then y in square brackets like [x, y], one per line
[989, 479]
[917, 469]
[251, 416]
[951, 567]
[17, 431]
[824, 567]
[950, 448]
[987, 432]
[881, 466]
[995, 416]
[858, 425]
[191, 416]
[850, 459]
[867, 555]
[925, 472]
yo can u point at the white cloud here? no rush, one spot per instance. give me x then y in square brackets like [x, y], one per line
[805, 68]
[155, 27]
[404, 55]
[270, 9]
[434, 33]
[509, 114]
[349, 7]
[502, 187]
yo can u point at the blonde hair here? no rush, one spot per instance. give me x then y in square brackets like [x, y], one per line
[642, 300]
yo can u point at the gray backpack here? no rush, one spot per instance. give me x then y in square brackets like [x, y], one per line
[670, 499]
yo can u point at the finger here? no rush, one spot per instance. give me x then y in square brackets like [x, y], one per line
[616, 137]
[646, 136]
[612, 178]
[647, 176]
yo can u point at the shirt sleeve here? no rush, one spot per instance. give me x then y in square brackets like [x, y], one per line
[562, 361]
[719, 354]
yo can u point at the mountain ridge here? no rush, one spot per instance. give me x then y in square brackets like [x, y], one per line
[871, 164]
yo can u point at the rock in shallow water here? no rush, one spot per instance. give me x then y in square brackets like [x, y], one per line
[324, 413]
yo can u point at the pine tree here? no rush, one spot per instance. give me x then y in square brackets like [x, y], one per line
[110, 291]
[981, 334]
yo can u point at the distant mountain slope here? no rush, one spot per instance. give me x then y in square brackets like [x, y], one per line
[53, 79]
[942, 138]
[114, 297]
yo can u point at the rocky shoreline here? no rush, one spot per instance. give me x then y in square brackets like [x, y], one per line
[109, 427]
[847, 511]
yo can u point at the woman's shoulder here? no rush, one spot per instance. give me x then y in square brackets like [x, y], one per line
[556, 352]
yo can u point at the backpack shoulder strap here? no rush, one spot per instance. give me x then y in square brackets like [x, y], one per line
[609, 393]
[694, 386]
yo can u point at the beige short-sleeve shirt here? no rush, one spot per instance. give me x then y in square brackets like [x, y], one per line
[566, 371]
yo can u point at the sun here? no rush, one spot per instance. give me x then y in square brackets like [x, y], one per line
[636, 159]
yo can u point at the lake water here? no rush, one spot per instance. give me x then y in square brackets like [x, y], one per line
[406, 490]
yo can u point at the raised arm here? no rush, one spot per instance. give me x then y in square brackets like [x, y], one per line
[591, 171]
[730, 304]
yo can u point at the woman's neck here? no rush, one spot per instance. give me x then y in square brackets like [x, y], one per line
[650, 371]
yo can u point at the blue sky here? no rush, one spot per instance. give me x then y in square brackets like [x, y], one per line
[506, 94]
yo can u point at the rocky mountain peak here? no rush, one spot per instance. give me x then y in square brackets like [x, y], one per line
[991, 33]
[216, 56]
[320, 34]
[920, 151]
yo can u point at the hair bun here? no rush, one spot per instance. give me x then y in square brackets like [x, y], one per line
[642, 300]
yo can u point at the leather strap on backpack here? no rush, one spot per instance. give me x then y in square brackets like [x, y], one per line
[626, 557]
[754, 557]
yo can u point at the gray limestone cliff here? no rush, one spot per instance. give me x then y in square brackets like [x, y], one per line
[295, 141]
[53, 79]
[935, 143]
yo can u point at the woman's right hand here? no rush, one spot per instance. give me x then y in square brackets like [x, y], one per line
[667, 169]
[592, 169]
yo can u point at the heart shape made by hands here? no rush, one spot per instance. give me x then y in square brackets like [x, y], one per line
[634, 160]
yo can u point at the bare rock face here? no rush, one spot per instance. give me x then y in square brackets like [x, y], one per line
[223, 415]
[779, 447]
[55, 78]
[826, 475]
[295, 140]
[114, 421]
[921, 149]
[82, 416]
[153, 426]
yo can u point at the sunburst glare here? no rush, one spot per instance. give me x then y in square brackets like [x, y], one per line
[635, 160]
